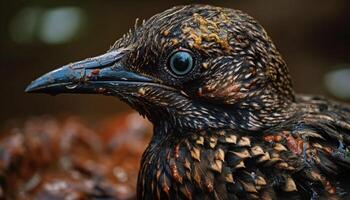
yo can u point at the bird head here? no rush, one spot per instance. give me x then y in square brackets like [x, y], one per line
[191, 67]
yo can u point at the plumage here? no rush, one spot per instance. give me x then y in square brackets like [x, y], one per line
[228, 127]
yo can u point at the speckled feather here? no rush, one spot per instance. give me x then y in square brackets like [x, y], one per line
[232, 128]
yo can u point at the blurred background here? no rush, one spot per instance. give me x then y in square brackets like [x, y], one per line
[38, 36]
[97, 153]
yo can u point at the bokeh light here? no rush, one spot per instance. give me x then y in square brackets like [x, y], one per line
[51, 26]
[23, 26]
[338, 82]
[61, 25]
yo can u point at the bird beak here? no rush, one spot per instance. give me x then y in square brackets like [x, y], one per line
[92, 75]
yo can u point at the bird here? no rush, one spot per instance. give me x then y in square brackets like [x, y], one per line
[227, 123]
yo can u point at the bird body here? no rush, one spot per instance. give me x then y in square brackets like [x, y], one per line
[227, 124]
[294, 160]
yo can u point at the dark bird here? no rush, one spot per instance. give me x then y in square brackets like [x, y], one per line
[227, 123]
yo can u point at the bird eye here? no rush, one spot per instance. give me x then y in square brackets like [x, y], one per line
[181, 63]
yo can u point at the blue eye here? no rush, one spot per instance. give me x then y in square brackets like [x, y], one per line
[181, 63]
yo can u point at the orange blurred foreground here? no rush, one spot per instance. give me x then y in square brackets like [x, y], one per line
[49, 158]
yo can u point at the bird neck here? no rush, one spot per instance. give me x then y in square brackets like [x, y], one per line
[256, 113]
[248, 117]
[264, 110]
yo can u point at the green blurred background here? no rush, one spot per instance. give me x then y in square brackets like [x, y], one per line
[38, 36]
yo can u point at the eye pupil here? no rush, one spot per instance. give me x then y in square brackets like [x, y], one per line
[181, 63]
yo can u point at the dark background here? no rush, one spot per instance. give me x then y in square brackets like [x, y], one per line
[313, 36]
